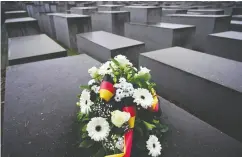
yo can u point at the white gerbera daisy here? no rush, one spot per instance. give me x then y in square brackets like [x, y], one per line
[123, 61]
[143, 97]
[95, 88]
[105, 69]
[98, 128]
[93, 71]
[154, 146]
[85, 102]
[91, 82]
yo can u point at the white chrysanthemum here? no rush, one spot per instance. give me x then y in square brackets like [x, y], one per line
[119, 92]
[122, 80]
[98, 128]
[123, 61]
[143, 70]
[117, 98]
[154, 146]
[120, 144]
[116, 85]
[143, 97]
[91, 82]
[105, 69]
[93, 71]
[85, 102]
[95, 88]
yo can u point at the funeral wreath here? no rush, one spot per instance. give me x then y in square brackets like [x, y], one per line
[120, 111]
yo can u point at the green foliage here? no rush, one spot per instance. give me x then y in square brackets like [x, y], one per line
[86, 143]
[100, 153]
[85, 87]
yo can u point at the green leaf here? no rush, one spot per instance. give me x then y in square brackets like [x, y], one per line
[84, 128]
[115, 62]
[84, 135]
[156, 121]
[85, 87]
[148, 125]
[86, 143]
[79, 116]
[100, 153]
[164, 128]
[140, 131]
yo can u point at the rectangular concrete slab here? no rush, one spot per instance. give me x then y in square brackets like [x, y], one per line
[236, 26]
[208, 11]
[237, 17]
[144, 14]
[161, 35]
[110, 21]
[207, 86]
[93, 44]
[22, 27]
[166, 11]
[16, 14]
[109, 7]
[225, 44]
[68, 25]
[205, 24]
[84, 10]
[40, 115]
[33, 48]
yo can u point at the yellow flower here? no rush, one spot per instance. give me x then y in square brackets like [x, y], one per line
[119, 118]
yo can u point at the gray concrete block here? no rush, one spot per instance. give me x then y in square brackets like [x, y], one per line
[161, 35]
[93, 44]
[30, 10]
[68, 25]
[53, 7]
[47, 7]
[144, 14]
[43, 101]
[62, 7]
[208, 11]
[236, 26]
[33, 48]
[84, 10]
[22, 26]
[110, 21]
[166, 11]
[45, 108]
[207, 86]
[237, 17]
[16, 14]
[205, 24]
[225, 44]
[109, 7]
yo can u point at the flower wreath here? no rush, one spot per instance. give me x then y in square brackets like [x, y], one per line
[119, 111]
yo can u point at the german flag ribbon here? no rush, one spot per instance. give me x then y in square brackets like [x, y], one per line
[107, 89]
[155, 103]
[128, 136]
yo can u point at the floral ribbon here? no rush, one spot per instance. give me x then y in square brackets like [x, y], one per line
[107, 89]
[155, 104]
[128, 136]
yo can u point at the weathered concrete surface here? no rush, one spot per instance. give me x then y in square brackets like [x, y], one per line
[161, 35]
[109, 7]
[110, 21]
[205, 24]
[22, 26]
[68, 25]
[16, 14]
[41, 112]
[225, 44]
[208, 11]
[144, 14]
[33, 48]
[29, 7]
[49, 26]
[236, 26]
[41, 107]
[166, 11]
[53, 7]
[207, 86]
[93, 44]
[84, 10]
[237, 17]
